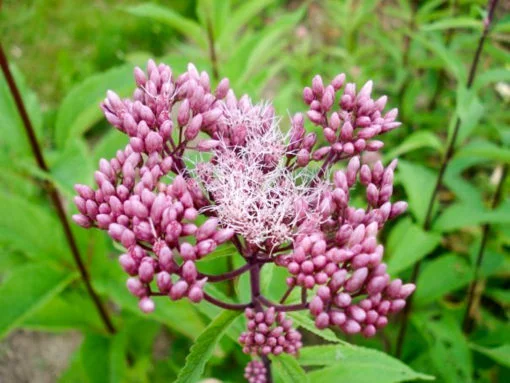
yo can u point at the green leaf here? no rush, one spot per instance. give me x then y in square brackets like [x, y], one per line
[347, 363]
[461, 215]
[499, 295]
[80, 109]
[26, 290]
[485, 150]
[452, 62]
[31, 229]
[239, 18]
[269, 43]
[418, 182]
[417, 140]
[304, 321]
[103, 358]
[289, 370]
[470, 111]
[448, 352]
[412, 243]
[491, 76]
[179, 315]
[72, 309]
[204, 346]
[72, 165]
[445, 274]
[214, 13]
[453, 23]
[165, 15]
[500, 355]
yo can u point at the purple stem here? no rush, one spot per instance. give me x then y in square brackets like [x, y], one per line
[53, 193]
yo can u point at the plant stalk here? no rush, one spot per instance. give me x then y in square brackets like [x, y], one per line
[53, 193]
[446, 160]
[467, 323]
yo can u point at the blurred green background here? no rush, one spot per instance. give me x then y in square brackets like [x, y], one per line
[65, 54]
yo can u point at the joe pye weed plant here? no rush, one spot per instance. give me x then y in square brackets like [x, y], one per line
[280, 199]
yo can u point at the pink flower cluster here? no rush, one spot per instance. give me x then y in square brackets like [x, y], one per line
[269, 332]
[153, 219]
[254, 189]
[255, 372]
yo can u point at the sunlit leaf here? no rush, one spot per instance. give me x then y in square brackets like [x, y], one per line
[26, 290]
[203, 347]
[355, 365]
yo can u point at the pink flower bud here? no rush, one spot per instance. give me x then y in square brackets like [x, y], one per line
[146, 271]
[211, 116]
[189, 271]
[223, 235]
[164, 282]
[178, 290]
[136, 287]
[195, 294]
[128, 264]
[146, 305]
[207, 229]
[338, 81]
[317, 85]
[315, 116]
[316, 306]
[205, 247]
[357, 279]
[322, 321]
[319, 154]
[153, 142]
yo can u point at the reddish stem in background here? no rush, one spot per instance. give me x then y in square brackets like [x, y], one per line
[468, 320]
[53, 192]
[448, 156]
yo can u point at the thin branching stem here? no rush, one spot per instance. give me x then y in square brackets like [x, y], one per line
[468, 321]
[53, 193]
[444, 164]
[229, 275]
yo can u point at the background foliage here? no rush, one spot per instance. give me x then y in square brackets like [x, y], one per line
[65, 54]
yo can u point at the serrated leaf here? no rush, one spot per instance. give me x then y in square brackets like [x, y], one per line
[411, 245]
[80, 109]
[26, 290]
[304, 321]
[348, 363]
[418, 182]
[203, 347]
[443, 275]
[289, 370]
[165, 15]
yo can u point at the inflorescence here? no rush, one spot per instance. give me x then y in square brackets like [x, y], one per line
[278, 198]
